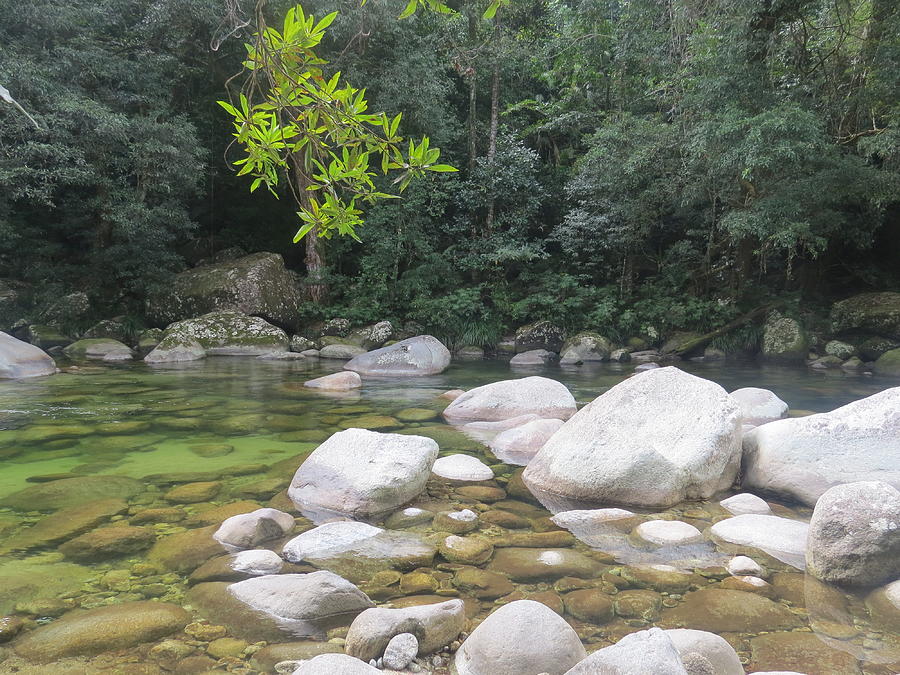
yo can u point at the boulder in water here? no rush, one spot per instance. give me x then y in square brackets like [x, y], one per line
[363, 473]
[336, 382]
[421, 355]
[20, 360]
[175, 349]
[800, 458]
[877, 313]
[784, 339]
[584, 348]
[540, 335]
[854, 535]
[520, 444]
[647, 651]
[506, 399]
[759, 406]
[653, 440]
[246, 530]
[781, 538]
[434, 626]
[534, 357]
[99, 349]
[231, 334]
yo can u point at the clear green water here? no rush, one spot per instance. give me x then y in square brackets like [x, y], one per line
[215, 415]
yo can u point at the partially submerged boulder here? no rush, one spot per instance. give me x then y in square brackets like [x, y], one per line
[421, 355]
[584, 348]
[781, 538]
[877, 313]
[533, 357]
[256, 284]
[363, 473]
[506, 399]
[759, 406]
[336, 382]
[523, 636]
[520, 444]
[784, 339]
[854, 535]
[20, 360]
[246, 530]
[231, 333]
[800, 458]
[99, 349]
[647, 651]
[176, 348]
[540, 335]
[653, 440]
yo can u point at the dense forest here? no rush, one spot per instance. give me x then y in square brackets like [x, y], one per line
[629, 167]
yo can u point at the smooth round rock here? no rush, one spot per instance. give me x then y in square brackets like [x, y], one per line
[714, 648]
[335, 664]
[462, 467]
[466, 550]
[400, 651]
[759, 406]
[257, 562]
[745, 503]
[456, 522]
[668, 533]
[344, 381]
[741, 565]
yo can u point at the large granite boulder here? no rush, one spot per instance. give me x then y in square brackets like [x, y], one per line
[655, 439]
[19, 359]
[854, 535]
[801, 458]
[540, 335]
[256, 284]
[176, 348]
[316, 596]
[46, 337]
[421, 355]
[714, 648]
[585, 347]
[522, 637]
[877, 313]
[506, 399]
[363, 473]
[435, 626]
[230, 333]
[647, 651]
[99, 349]
[520, 444]
[784, 339]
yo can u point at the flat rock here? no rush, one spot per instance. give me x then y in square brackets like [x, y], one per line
[800, 458]
[193, 493]
[523, 636]
[108, 542]
[186, 551]
[506, 399]
[720, 610]
[530, 565]
[781, 538]
[466, 550]
[363, 473]
[90, 632]
[745, 503]
[435, 626]
[650, 441]
[668, 533]
[336, 382]
[803, 652]
[462, 467]
[256, 562]
[65, 524]
[60, 494]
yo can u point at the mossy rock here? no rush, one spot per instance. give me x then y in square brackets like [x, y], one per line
[888, 364]
[784, 339]
[874, 312]
[99, 349]
[230, 333]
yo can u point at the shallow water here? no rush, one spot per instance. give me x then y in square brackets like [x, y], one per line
[246, 424]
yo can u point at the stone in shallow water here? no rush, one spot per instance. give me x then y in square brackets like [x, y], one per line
[186, 551]
[466, 550]
[801, 651]
[246, 530]
[722, 610]
[456, 522]
[502, 400]
[19, 359]
[462, 468]
[72, 492]
[781, 538]
[759, 406]
[668, 533]
[647, 651]
[335, 664]
[400, 651]
[257, 562]
[482, 584]
[357, 550]
[884, 606]
[108, 542]
[336, 382]
[714, 648]
[523, 636]
[589, 604]
[420, 355]
[85, 633]
[193, 493]
[662, 578]
[65, 524]
[745, 503]
[741, 565]
[408, 517]
[530, 565]
[363, 473]
[520, 444]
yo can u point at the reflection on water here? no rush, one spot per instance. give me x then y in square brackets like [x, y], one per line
[209, 439]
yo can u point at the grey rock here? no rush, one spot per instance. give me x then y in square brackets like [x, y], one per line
[99, 349]
[759, 406]
[784, 339]
[585, 347]
[421, 355]
[246, 530]
[714, 648]
[647, 651]
[19, 360]
[335, 664]
[400, 651]
[781, 538]
[340, 352]
[540, 335]
[534, 357]
[231, 333]
[854, 535]
[175, 349]
[507, 399]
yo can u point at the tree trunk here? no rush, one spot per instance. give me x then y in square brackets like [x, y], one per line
[316, 288]
[470, 123]
[492, 145]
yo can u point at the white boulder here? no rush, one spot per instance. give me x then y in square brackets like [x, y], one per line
[336, 382]
[256, 562]
[522, 637]
[745, 503]
[741, 566]
[759, 406]
[421, 355]
[647, 651]
[363, 473]
[668, 533]
[520, 444]
[650, 441]
[714, 648]
[502, 400]
[462, 467]
[801, 458]
[335, 664]
[854, 535]
[20, 360]
[246, 530]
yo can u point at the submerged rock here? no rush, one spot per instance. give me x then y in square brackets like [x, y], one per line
[529, 565]
[336, 382]
[647, 651]
[363, 473]
[712, 647]
[108, 542]
[534, 357]
[668, 533]
[421, 355]
[246, 530]
[434, 626]
[67, 492]
[799, 652]
[653, 440]
[99, 349]
[520, 444]
[256, 284]
[523, 636]
[65, 524]
[506, 399]
[781, 538]
[801, 458]
[721, 610]
[745, 503]
[90, 632]
[854, 535]
[357, 550]
[19, 359]
[759, 406]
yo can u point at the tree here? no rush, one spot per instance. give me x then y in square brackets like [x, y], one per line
[291, 119]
